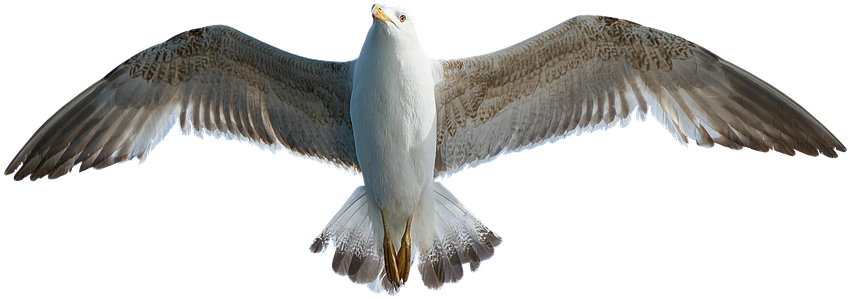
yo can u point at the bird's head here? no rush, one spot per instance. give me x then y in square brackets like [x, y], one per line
[393, 21]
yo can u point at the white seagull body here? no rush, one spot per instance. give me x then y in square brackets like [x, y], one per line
[403, 119]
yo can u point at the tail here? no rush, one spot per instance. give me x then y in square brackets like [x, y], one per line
[353, 235]
[458, 238]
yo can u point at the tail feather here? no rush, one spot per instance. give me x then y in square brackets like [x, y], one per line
[352, 235]
[460, 238]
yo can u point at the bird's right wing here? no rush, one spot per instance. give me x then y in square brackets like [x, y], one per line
[215, 80]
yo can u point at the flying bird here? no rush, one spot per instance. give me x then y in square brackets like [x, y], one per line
[403, 119]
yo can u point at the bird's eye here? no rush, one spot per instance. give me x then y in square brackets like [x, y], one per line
[402, 18]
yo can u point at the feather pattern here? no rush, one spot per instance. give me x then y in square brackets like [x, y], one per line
[593, 72]
[352, 232]
[213, 80]
[459, 238]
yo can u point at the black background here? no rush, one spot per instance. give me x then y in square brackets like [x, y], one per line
[627, 211]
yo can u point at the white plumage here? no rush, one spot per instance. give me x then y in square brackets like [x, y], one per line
[463, 136]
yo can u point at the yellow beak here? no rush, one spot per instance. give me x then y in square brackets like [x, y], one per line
[378, 14]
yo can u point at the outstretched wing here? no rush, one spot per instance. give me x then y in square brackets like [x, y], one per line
[592, 72]
[213, 80]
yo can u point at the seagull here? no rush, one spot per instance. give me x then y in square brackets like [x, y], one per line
[403, 119]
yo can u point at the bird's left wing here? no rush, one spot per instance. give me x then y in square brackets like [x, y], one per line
[214, 80]
[592, 72]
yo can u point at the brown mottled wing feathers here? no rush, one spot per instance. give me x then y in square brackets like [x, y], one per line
[213, 80]
[592, 72]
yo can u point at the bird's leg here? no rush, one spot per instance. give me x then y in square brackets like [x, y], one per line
[390, 264]
[403, 257]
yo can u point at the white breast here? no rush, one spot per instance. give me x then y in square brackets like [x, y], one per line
[393, 115]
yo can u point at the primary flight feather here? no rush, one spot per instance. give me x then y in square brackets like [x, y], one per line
[403, 119]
